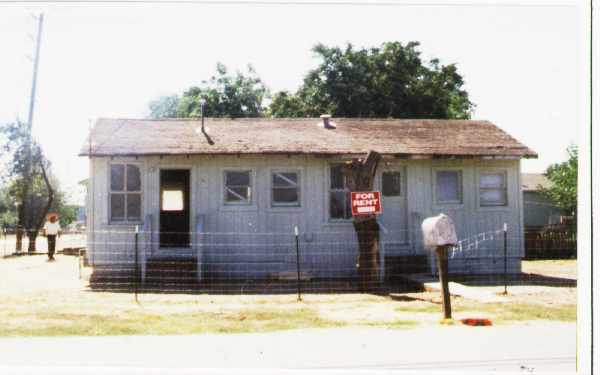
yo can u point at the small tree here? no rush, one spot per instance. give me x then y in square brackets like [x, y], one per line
[30, 182]
[163, 107]
[563, 178]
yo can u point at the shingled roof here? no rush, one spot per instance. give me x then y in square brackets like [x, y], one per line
[462, 138]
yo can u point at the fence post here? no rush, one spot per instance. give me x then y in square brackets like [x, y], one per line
[296, 233]
[505, 260]
[135, 275]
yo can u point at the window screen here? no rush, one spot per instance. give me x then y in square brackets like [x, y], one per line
[125, 193]
[237, 187]
[339, 195]
[390, 184]
[285, 189]
[493, 189]
[448, 186]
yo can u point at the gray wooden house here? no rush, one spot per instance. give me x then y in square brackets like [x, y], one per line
[226, 195]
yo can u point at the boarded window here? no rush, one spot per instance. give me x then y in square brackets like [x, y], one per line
[285, 189]
[237, 187]
[448, 186]
[339, 195]
[493, 189]
[125, 193]
[390, 184]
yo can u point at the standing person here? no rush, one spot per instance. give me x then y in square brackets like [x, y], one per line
[51, 230]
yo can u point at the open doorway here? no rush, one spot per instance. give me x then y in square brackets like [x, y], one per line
[174, 208]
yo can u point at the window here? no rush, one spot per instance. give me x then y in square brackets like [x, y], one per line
[448, 187]
[339, 195]
[237, 187]
[492, 189]
[125, 193]
[390, 184]
[285, 189]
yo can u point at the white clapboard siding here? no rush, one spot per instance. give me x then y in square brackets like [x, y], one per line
[257, 240]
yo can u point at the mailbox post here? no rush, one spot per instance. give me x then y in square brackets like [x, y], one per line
[438, 234]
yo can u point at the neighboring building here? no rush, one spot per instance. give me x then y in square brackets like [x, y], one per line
[228, 197]
[538, 210]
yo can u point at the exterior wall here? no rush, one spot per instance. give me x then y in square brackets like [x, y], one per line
[257, 240]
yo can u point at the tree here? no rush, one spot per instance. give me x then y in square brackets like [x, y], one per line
[165, 106]
[226, 95]
[390, 81]
[563, 178]
[30, 183]
[359, 174]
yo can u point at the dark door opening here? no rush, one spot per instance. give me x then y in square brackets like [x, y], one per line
[174, 208]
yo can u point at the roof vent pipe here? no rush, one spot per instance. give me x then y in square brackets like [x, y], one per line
[202, 103]
[327, 123]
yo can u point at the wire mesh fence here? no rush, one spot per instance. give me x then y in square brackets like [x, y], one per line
[123, 259]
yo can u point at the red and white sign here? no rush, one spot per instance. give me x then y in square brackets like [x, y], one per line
[365, 203]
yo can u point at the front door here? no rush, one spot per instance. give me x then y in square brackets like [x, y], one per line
[393, 200]
[174, 208]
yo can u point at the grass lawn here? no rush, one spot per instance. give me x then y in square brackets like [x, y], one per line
[49, 299]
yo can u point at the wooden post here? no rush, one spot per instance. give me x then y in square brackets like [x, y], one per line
[442, 263]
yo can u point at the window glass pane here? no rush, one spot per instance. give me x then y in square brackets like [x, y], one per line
[492, 197]
[285, 195]
[448, 187]
[237, 194]
[337, 205]
[491, 180]
[172, 200]
[117, 177]
[337, 179]
[285, 179]
[390, 184]
[134, 203]
[133, 178]
[117, 207]
[237, 178]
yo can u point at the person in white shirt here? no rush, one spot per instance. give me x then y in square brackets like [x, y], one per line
[51, 230]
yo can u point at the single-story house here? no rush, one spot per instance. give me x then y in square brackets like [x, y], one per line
[227, 193]
[538, 209]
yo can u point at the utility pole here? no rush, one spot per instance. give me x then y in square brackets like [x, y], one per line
[25, 205]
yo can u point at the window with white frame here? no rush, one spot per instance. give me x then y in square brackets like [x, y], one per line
[125, 193]
[285, 189]
[237, 187]
[391, 184]
[493, 189]
[448, 187]
[339, 195]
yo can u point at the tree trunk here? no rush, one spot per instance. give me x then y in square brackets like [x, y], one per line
[32, 236]
[367, 232]
[359, 174]
[33, 232]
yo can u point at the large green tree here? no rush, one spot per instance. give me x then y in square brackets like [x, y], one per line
[388, 81]
[563, 178]
[226, 95]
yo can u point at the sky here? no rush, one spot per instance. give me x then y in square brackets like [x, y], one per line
[521, 61]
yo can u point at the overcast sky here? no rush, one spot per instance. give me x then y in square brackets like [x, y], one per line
[521, 63]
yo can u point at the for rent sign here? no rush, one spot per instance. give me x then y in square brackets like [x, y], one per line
[366, 203]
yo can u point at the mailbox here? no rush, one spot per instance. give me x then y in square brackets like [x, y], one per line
[438, 231]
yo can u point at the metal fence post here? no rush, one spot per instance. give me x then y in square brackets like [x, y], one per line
[135, 275]
[296, 234]
[505, 260]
